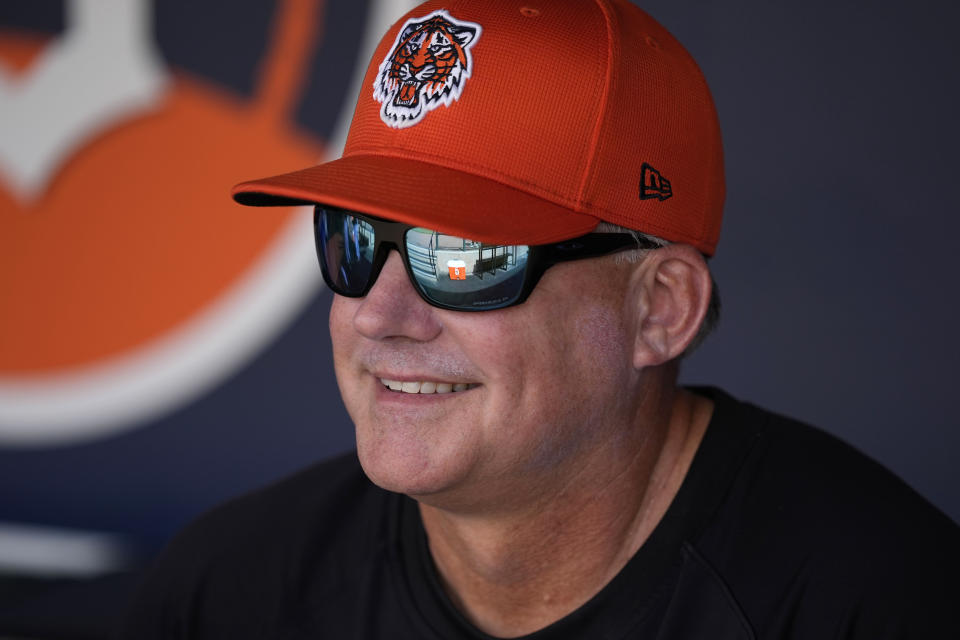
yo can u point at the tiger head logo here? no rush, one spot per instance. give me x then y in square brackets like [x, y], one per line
[427, 66]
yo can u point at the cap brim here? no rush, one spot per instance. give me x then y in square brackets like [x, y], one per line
[423, 194]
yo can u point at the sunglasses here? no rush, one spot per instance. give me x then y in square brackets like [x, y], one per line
[448, 271]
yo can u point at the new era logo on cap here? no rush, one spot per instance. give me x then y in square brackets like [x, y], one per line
[653, 185]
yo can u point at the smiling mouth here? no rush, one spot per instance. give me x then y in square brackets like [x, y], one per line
[427, 387]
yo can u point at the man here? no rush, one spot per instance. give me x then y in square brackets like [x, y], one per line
[516, 235]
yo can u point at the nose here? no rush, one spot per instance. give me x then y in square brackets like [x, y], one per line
[420, 57]
[393, 309]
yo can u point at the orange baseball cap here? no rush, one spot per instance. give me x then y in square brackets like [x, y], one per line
[526, 123]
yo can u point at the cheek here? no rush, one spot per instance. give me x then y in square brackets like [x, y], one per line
[555, 357]
[343, 334]
[602, 338]
[597, 362]
[338, 317]
[566, 379]
[343, 340]
[583, 352]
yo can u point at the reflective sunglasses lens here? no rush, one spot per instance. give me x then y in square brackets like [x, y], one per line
[464, 274]
[346, 245]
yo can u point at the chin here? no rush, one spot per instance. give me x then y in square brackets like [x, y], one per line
[403, 468]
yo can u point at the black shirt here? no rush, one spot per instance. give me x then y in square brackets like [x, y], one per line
[778, 531]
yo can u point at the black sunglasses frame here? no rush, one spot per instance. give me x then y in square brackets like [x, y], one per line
[389, 234]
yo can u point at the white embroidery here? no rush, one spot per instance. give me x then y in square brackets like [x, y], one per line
[427, 66]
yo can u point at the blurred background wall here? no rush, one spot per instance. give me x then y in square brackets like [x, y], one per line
[162, 349]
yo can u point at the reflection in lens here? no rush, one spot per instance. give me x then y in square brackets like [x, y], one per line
[464, 273]
[347, 244]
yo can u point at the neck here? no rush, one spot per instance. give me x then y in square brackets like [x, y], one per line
[511, 573]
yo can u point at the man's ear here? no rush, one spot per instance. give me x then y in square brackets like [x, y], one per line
[670, 295]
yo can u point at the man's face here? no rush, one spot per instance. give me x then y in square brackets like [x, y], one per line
[548, 380]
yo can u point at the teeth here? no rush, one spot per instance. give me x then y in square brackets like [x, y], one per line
[424, 387]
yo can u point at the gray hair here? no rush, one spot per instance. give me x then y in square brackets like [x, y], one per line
[710, 319]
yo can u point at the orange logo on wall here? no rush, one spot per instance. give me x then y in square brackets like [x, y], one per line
[129, 281]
